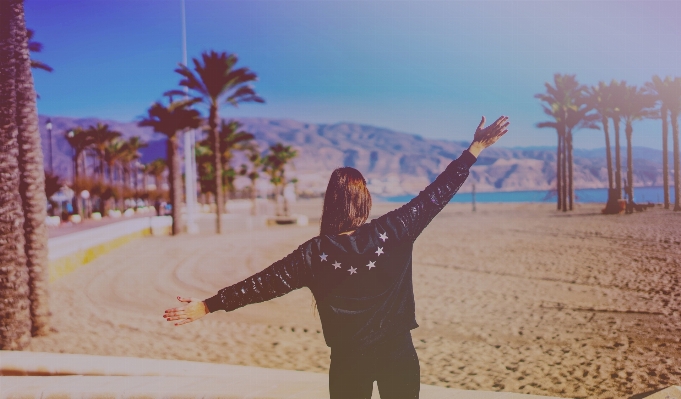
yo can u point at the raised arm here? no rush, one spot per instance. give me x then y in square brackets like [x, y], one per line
[283, 276]
[408, 221]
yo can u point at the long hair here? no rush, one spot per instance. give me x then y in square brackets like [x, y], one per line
[347, 202]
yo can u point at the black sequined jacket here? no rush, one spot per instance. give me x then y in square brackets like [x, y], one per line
[362, 282]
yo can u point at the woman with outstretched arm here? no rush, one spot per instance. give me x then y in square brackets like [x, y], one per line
[361, 277]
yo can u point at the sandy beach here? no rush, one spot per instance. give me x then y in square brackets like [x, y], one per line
[513, 297]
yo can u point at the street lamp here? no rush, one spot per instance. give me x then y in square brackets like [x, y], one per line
[48, 125]
[70, 135]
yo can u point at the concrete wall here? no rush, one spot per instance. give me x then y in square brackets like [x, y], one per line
[68, 252]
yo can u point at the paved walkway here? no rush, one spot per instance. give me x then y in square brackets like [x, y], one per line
[70, 228]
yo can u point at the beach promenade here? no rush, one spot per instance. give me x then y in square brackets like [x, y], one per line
[511, 298]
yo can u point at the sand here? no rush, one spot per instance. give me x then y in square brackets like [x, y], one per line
[516, 298]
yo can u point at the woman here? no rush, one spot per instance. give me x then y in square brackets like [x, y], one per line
[361, 278]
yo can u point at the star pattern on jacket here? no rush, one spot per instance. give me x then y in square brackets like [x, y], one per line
[353, 270]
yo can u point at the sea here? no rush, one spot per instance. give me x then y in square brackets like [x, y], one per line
[642, 195]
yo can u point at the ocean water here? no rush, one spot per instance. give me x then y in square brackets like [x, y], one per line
[599, 195]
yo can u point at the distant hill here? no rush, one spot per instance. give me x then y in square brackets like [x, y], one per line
[394, 163]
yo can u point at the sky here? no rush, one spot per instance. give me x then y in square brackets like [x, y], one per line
[424, 67]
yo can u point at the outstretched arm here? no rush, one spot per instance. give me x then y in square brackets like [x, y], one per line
[408, 221]
[282, 277]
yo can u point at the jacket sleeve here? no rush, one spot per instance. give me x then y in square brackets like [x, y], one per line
[409, 220]
[283, 276]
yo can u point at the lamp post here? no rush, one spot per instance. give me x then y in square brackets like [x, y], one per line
[48, 125]
[189, 155]
[70, 135]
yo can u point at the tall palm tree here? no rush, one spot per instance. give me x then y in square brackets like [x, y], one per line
[169, 120]
[662, 91]
[565, 95]
[214, 81]
[131, 155]
[598, 98]
[32, 186]
[253, 172]
[15, 313]
[674, 110]
[80, 140]
[617, 94]
[275, 166]
[636, 105]
[232, 138]
[102, 135]
[156, 168]
[113, 152]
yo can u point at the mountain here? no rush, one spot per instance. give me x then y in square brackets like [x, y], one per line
[393, 163]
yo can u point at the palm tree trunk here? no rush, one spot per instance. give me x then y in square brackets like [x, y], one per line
[559, 172]
[15, 313]
[254, 202]
[213, 122]
[570, 189]
[175, 179]
[665, 157]
[109, 171]
[32, 187]
[283, 192]
[75, 165]
[618, 158]
[564, 175]
[677, 161]
[608, 154]
[628, 130]
[101, 169]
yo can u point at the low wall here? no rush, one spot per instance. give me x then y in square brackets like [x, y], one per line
[38, 375]
[68, 252]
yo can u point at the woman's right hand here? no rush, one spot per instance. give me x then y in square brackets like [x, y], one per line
[486, 136]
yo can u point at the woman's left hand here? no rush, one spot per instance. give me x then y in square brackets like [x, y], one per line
[194, 310]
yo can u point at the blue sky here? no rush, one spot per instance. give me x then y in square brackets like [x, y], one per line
[423, 67]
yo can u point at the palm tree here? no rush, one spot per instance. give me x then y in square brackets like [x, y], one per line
[129, 158]
[617, 93]
[232, 139]
[216, 81]
[15, 314]
[662, 91]
[32, 186]
[177, 116]
[275, 166]
[101, 137]
[674, 110]
[598, 98]
[256, 164]
[156, 168]
[80, 140]
[636, 105]
[113, 152]
[564, 97]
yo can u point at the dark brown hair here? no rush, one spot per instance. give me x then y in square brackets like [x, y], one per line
[347, 202]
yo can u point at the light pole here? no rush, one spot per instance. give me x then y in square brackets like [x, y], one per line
[48, 125]
[189, 155]
[70, 135]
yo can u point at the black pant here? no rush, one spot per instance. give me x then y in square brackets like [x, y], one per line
[393, 364]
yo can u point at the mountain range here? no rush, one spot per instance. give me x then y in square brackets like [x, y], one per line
[393, 163]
